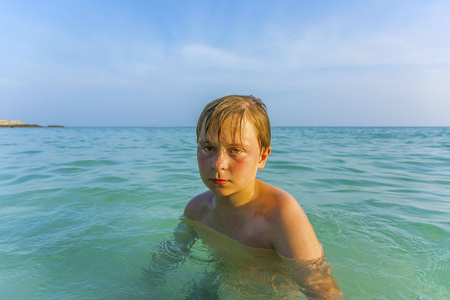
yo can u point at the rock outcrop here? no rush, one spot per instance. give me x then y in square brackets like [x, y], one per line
[7, 123]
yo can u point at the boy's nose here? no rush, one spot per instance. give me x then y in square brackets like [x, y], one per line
[221, 161]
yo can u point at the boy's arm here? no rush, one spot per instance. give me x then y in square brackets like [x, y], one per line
[295, 240]
[170, 253]
[315, 279]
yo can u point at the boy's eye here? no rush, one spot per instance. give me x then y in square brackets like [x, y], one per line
[208, 148]
[236, 151]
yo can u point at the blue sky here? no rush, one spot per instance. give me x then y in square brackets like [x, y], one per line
[157, 63]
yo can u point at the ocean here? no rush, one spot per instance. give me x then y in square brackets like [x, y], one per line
[84, 211]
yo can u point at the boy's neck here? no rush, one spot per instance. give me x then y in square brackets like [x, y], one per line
[235, 201]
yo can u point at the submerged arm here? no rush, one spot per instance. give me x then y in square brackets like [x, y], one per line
[315, 279]
[169, 254]
[296, 241]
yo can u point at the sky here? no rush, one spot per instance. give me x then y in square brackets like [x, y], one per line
[158, 63]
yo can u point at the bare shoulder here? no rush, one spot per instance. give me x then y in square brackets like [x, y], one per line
[280, 201]
[197, 206]
[291, 233]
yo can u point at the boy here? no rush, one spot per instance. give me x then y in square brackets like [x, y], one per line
[233, 137]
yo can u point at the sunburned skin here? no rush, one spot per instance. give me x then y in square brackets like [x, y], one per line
[247, 210]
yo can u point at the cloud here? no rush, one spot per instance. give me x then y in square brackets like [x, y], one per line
[202, 56]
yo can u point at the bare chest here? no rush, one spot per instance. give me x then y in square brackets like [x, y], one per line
[252, 232]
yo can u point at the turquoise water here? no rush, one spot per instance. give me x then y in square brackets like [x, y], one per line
[83, 211]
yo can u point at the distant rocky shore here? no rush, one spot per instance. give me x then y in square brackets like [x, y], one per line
[7, 123]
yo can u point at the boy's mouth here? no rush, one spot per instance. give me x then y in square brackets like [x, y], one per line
[219, 181]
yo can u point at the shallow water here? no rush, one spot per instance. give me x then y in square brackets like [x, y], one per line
[83, 210]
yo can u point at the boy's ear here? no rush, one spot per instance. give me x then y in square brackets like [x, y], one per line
[264, 155]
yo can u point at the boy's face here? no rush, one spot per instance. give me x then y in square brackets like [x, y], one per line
[229, 165]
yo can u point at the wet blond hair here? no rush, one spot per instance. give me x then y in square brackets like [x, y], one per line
[238, 109]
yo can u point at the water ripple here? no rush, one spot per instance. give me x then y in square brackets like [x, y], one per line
[81, 209]
[27, 178]
[93, 163]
